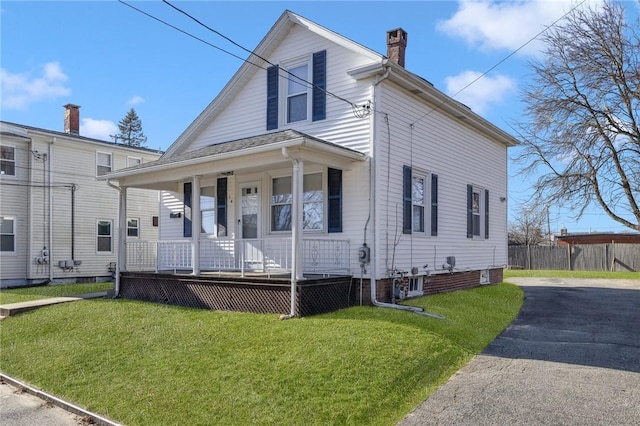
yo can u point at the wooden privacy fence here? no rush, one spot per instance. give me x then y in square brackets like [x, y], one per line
[577, 257]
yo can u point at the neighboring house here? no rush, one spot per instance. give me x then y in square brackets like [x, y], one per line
[57, 221]
[321, 156]
[597, 238]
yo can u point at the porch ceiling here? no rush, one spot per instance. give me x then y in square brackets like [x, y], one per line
[244, 155]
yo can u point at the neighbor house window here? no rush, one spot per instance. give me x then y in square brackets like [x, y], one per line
[133, 161]
[304, 89]
[103, 163]
[312, 203]
[415, 194]
[7, 160]
[133, 228]
[7, 235]
[104, 236]
[477, 212]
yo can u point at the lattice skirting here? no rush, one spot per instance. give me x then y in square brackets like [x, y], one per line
[249, 294]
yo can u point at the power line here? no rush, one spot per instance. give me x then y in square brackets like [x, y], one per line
[498, 64]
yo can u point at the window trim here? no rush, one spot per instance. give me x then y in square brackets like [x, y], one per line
[98, 236]
[289, 78]
[482, 214]
[213, 209]
[140, 161]
[110, 154]
[13, 234]
[14, 161]
[429, 202]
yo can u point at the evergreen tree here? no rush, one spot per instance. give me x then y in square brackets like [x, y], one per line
[130, 130]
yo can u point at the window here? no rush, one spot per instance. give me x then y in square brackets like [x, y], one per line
[7, 235]
[415, 193]
[103, 163]
[208, 209]
[7, 160]
[303, 93]
[312, 199]
[477, 212]
[415, 286]
[297, 93]
[133, 161]
[133, 228]
[104, 236]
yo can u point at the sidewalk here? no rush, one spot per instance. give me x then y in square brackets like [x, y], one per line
[11, 309]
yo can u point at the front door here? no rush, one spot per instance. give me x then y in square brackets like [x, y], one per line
[249, 210]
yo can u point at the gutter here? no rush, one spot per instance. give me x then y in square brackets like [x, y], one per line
[372, 212]
[50, 160]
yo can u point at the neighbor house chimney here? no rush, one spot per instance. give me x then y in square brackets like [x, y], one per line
[72, 119]
[396, 45]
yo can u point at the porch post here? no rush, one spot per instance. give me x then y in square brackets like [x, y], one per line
[196, 226]
[296, 219]
[121, 264]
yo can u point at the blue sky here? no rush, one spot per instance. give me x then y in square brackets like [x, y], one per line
[107, 58]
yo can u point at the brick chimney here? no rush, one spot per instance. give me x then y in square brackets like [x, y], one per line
[72, 119]
[396, 45]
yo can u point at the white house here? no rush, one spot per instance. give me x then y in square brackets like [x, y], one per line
[57, 221]
[321, 156]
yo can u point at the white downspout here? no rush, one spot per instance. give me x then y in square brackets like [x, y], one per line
[50, 160]
[372, 210]
[296, 229]
[30, 212]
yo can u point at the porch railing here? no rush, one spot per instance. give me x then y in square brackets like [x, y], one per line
[270, 255]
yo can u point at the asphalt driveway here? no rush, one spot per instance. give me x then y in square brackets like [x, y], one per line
[571, 357]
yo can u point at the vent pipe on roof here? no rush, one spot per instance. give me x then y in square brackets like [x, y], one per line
[397, 45]
[72, 119]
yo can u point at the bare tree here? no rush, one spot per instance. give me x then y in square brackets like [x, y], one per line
[582, 111]
[526, 229]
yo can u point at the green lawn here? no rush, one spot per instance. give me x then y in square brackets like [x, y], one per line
[508, 273]
[40, 292]
[147, 364]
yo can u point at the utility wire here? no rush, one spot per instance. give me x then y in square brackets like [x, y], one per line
[498, 64]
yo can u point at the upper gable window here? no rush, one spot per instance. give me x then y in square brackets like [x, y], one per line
[303, 86]
[133, 161]
[103, 163]
[7, 160]
[297, 95]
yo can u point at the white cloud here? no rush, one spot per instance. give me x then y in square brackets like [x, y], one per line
[135, 100]
[98, 129]
[482, 93]
[22, 89]
[493, 25]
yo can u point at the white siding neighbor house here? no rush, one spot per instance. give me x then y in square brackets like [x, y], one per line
[322, 157]
[58, 223]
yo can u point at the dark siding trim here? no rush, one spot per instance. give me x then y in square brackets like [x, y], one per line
[469, 211]
[486, 213]
[272, 97]
[221, 206]
[334, 184]
[406, 200]
[319, 86]
[434, 205]
[186, 227]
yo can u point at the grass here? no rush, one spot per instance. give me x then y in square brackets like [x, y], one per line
[508, 273]
[141, 363]
[16, 295]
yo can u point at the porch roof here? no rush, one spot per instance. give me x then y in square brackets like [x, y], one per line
[303, 146]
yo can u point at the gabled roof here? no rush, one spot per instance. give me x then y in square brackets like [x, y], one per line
[22, 130]
[265, 48]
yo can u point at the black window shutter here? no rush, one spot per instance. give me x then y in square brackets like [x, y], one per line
[469, 211]
[272, 97]
[319, 85]
[486, 213]
[221, 206]
[334, 184]
[434, 205]
[186, 229]
[406, 200]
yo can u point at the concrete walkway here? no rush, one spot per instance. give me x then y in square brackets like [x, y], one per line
[571, 357]
[16, 308]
